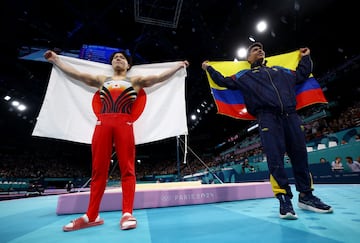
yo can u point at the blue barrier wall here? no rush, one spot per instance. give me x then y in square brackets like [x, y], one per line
[322, 173]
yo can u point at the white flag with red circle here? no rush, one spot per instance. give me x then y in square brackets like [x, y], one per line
[67, 109]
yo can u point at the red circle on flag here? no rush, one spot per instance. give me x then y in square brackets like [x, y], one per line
[96, 103]
[139, 105]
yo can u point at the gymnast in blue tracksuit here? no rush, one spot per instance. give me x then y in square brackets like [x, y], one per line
[269, 95]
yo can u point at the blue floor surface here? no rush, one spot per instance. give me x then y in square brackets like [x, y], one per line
[35, 220]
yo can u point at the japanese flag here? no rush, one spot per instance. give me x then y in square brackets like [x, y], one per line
[67, 110]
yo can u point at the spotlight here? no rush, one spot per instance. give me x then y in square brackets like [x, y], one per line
[15, 103]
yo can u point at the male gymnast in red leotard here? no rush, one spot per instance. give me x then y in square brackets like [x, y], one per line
[114, 128]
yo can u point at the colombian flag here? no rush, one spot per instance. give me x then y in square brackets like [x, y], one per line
[231, 102]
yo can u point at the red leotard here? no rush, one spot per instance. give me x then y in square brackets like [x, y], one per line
[114, 128]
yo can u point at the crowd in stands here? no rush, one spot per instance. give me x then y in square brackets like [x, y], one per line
[29, 163]
[337, 164]
[325, 126]
[33, 164]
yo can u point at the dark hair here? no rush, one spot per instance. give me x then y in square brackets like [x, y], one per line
[126, 55]
[252, 46]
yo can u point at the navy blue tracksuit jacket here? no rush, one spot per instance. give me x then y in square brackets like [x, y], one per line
[269, 94]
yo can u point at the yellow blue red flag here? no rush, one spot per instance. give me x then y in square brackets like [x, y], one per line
[231, 102]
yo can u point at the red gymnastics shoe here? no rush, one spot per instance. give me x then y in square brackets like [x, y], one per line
[127, 222]
[81, 223]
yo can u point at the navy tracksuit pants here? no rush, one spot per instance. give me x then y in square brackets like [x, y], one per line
[280, 134]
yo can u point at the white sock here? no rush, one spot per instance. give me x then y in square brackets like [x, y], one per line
[128, 223]
[86, 218]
